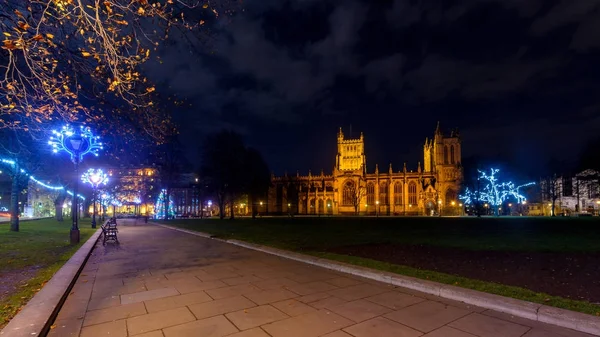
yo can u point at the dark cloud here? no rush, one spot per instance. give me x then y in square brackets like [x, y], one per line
[300, 68]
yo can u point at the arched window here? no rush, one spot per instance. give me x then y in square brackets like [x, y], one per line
[321, 206]
[451, 154]
[349, 193]
[412, 193]
[398, 193]
[370, 194]
[383, 193]
[445, 154]
[329, 206]
[450, 196]
[312, 206]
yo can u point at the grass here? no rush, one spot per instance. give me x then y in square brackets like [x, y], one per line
[501, 234]
[41, 246]
[314, 235]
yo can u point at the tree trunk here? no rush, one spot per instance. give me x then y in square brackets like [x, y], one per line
[231, 207]
[14, 202]
[59, 212]
[221, 201]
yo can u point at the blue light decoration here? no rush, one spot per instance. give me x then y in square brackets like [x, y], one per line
[94, 177]
[160, 205]
[495, 192]
[77, 144]
[36, 181]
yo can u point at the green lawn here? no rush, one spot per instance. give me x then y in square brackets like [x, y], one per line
[40, 248]
[514, 233]
[314, 235]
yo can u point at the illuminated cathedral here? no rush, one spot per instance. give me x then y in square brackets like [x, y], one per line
[431, 189]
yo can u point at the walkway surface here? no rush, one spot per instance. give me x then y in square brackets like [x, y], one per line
[163, 283]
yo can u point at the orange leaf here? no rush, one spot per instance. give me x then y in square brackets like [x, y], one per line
[205, 6]
[50, 36]
[85, 54]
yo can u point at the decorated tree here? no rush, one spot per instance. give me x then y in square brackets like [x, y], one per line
[495, 192]
[163, 209]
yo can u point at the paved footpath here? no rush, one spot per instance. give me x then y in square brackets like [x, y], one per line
[164, 283]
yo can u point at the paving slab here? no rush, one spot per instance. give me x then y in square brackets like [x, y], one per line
[210, 327]
[382, 327]
[427, 316]
[253, 317]
[162, 283]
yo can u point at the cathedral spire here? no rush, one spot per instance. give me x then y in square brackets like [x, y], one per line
[419, 168]
[390, 170]
[437, 129]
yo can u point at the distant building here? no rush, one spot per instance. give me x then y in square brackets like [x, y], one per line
[430, 189]
[137, 189]
[576, 194]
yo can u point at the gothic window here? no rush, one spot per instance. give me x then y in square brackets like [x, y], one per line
[412, 193]
[370, 194]
[398, 193]
[450, 196]
[348, 194]
[383, 199]
[445, 154]
[312, 206]
[321, 206]
[451, 154]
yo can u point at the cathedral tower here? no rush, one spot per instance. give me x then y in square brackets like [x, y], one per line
[351, 153]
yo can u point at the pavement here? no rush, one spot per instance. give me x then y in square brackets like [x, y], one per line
[163, 283]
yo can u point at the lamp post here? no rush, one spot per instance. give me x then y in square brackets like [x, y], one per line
[77, 144]
[94, 177]
[377, 213]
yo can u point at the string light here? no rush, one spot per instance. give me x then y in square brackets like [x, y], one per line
[494, 193]
[36, 181]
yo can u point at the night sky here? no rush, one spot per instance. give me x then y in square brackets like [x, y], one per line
[519, 78]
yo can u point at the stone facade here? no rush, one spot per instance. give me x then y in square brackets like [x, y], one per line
[576, 194]
[350, 189]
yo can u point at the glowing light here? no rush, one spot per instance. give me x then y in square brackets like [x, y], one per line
[12, 163]
[94, 177]
[495, 192]
[160, 205]
[76, 144]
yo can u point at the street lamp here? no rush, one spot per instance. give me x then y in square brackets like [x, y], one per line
[77, 144]
[377, 203]
[94, 177]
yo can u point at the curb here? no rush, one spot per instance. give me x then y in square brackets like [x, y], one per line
[39, 313]
[529, 310]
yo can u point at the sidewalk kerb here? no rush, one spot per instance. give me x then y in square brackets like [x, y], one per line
[39, 313]
[519, 308]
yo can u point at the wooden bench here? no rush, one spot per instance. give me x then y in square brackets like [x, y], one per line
[110, 231]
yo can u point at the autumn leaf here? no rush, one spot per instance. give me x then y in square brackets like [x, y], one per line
[6, 34]
[141, 11]
[201, 22]
[151, 89]
[38, 37]
[205, 6]
[24, 25]
[50, 36]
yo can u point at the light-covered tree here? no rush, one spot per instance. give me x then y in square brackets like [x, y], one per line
[495, 192]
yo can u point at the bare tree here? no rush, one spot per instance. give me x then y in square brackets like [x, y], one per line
[354, 193]
[552, 190]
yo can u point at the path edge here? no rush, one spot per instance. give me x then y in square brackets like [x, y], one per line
[518, 308]
[38, 314]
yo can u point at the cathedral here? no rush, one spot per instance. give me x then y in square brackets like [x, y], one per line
[430, 190]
